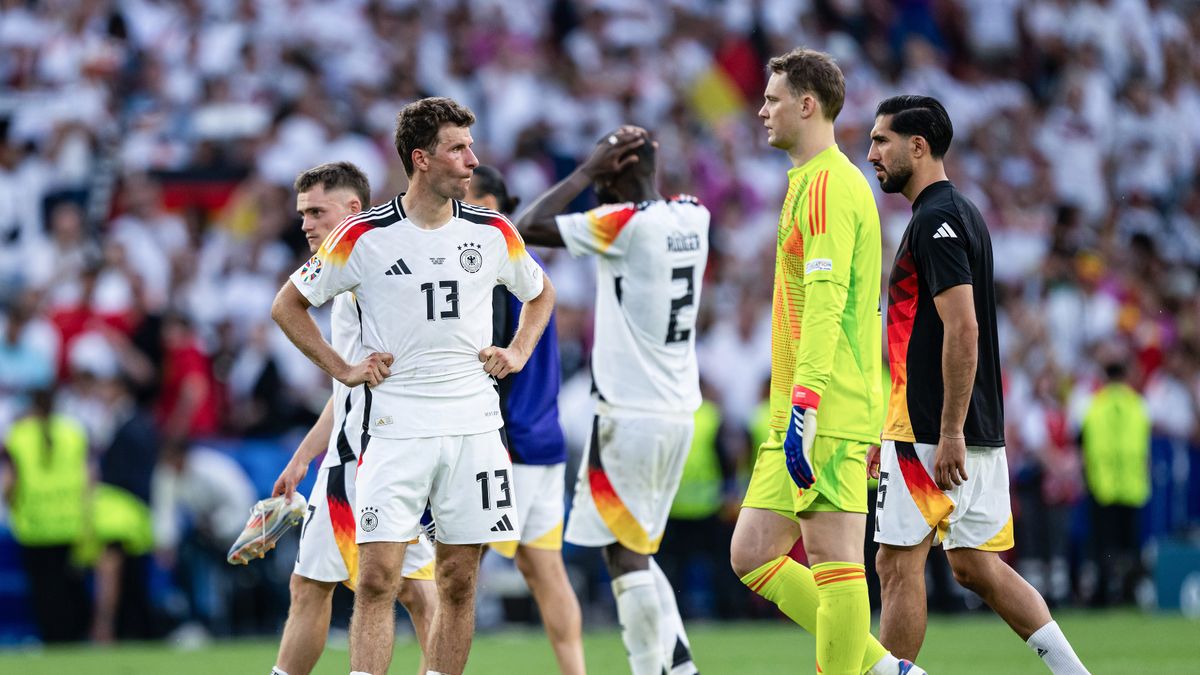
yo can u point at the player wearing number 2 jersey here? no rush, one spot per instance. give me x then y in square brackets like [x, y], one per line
[651, 253]
[423, 280]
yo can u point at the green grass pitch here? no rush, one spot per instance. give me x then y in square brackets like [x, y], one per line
[978, 644]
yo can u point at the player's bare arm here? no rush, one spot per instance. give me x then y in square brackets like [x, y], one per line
[290, 311]
[314, 443]
[960, 346]
[535, 314]
[612, 154]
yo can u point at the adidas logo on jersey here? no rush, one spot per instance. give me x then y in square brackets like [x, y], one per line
[944, 232]
[398, 267]
[503, 525]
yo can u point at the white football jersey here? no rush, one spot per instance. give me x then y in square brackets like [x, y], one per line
[651, 258]
[425, 297]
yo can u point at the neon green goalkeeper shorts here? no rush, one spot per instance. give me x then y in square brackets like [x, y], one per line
[840, 467]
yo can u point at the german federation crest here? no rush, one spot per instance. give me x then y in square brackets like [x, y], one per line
[470, 258]
[311, 270]
[370, 519]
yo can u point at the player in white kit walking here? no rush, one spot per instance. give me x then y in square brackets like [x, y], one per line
[424, 283]
[651, 254]
[325, 196]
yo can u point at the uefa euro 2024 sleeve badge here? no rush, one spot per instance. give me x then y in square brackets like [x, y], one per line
[311, 270]
[470, 258]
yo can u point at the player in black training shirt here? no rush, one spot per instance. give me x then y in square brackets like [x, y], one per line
[943, 477]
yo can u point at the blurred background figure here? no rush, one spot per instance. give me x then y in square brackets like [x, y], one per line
[1116, 457]
[201, 499]
[45, 485]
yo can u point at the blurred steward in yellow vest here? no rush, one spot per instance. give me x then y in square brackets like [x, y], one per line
[45, 489]
[1116, 459]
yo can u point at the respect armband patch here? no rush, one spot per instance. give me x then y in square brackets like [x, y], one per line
[818, 265]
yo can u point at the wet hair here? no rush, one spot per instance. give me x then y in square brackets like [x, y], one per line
[487, 180]
[809, 70]
[922, 116]
[336, 176]
[418, 124]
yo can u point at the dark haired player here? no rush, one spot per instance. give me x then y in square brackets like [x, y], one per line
[651, 253]
[943, 477]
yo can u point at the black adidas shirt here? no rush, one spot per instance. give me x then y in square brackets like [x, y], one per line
[946, 244]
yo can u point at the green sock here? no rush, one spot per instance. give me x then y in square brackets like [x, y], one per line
[793, 589]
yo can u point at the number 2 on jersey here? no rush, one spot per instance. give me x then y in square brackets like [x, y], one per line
[674, 332]
[451, 299]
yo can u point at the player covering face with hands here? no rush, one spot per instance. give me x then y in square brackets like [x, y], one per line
[650, 256]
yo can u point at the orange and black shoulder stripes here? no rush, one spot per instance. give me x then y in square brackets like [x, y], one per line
[608, 221]
[816, 203]
[337, 246]
[482, 216]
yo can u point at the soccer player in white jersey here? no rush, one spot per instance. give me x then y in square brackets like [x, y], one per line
[325, 196]
[651, 253]
[423, 278]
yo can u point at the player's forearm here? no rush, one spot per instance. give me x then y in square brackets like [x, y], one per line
[960, 348]
[290, 312]
[535, 314]
[317, 439]
[536, 224]
[820, 330]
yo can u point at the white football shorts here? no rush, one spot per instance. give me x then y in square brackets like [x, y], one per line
[465, 480]
[539, 490]
[628, 479]
[328, 551]
[976, 514]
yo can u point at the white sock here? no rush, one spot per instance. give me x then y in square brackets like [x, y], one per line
[278, 671]
[888, 665]
[671, 630]
[1052, 646]
[638, 612]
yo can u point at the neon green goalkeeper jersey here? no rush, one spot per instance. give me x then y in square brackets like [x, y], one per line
[826, 325]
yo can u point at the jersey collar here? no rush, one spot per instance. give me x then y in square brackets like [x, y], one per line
[930, 189]
[816, 160]
[457, 213]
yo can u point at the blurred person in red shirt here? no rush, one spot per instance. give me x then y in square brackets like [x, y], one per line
[189, 400]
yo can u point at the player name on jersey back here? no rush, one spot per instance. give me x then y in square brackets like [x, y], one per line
[425, 297]
[650, 266]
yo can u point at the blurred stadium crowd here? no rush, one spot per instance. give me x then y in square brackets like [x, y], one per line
[148, 147]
